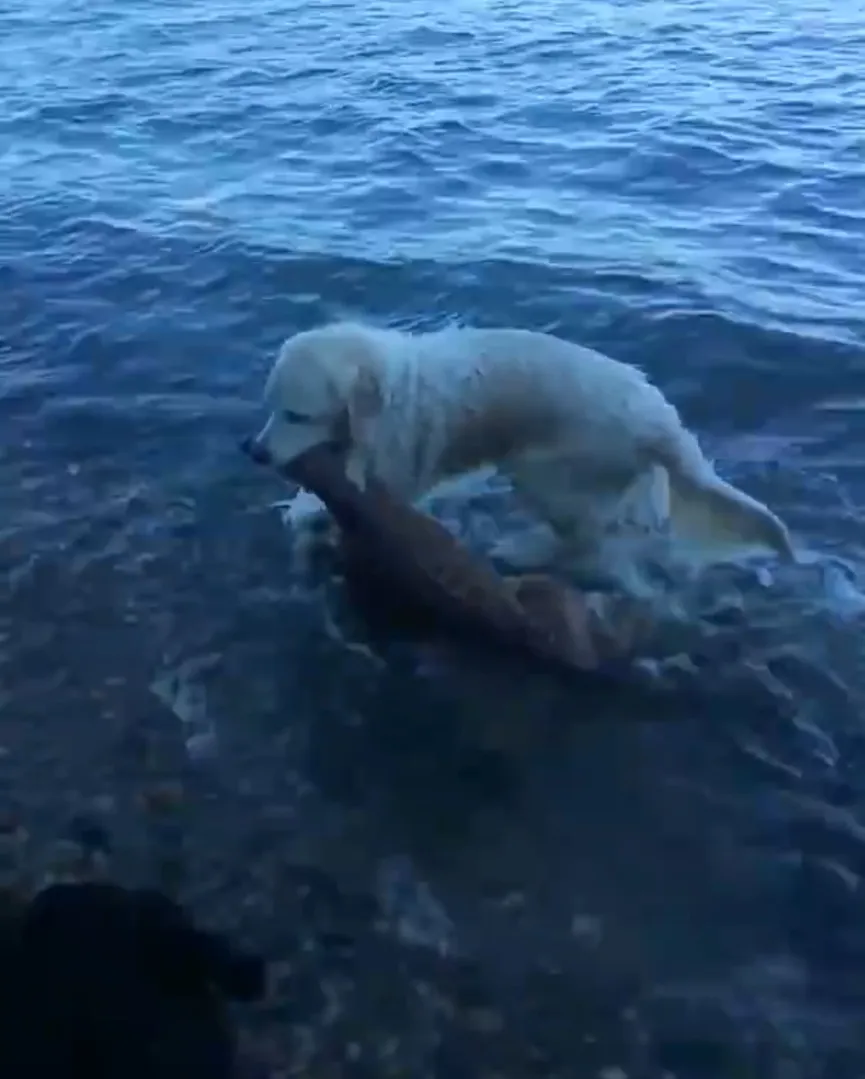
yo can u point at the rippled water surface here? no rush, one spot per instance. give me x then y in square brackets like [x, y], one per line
[181, 186]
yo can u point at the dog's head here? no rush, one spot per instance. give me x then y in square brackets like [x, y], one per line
[326, 386]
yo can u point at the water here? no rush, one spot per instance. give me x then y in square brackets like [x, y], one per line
[183, 185]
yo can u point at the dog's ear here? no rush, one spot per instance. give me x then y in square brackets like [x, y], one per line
[365, 402]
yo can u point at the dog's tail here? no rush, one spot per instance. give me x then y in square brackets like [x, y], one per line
[713, 520]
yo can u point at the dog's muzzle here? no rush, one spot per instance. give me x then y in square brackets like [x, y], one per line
[255, 451]
[258, 452]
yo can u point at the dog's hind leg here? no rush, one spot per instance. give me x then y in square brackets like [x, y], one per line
[602, 532]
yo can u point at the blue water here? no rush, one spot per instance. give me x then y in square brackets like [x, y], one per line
[181, 186]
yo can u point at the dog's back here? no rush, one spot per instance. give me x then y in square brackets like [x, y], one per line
[476, 397]
[585, 437]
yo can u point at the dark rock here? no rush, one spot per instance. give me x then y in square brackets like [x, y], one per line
[106, 981]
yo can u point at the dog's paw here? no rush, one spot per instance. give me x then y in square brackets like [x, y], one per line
[301, 511]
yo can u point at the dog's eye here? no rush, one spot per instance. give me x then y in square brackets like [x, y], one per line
[295, 417]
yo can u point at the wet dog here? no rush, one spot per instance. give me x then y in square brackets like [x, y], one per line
[587, 442]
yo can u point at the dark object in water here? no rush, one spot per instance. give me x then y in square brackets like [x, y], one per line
[389, 546]
[103, 981]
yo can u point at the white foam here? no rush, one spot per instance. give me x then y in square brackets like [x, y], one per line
[300, 509]
[415, 915]
[533, 548]
[181, 691]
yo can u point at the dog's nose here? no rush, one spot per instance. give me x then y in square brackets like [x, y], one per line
[255, 451]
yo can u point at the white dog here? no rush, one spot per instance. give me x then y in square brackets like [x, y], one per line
[588, 442]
